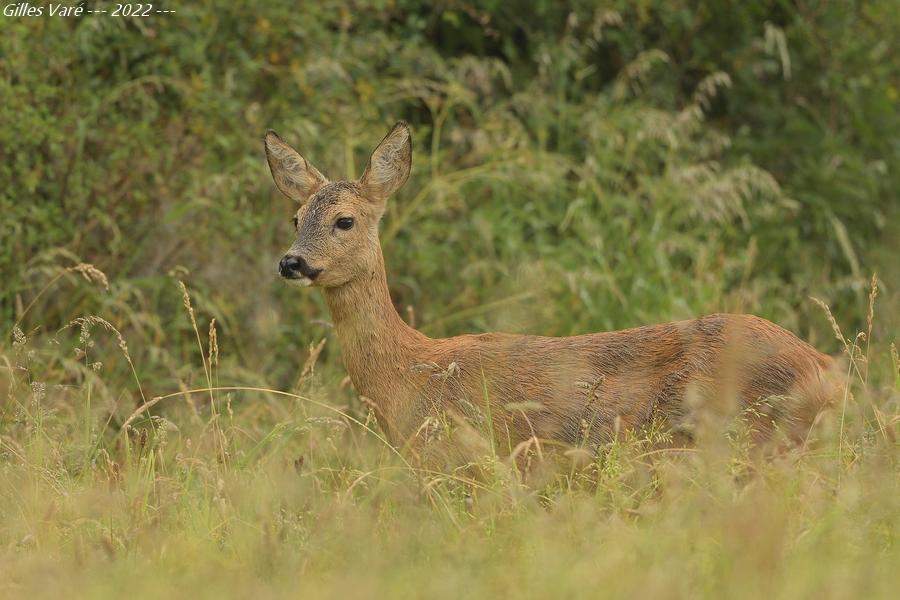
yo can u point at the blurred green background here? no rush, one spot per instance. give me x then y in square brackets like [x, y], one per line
[577, 167]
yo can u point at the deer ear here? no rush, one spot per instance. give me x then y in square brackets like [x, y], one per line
[293, 175]
[389, 165]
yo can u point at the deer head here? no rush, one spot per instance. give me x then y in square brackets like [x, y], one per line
[337, 222]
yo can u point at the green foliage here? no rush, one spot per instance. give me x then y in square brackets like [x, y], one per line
[577, 167]
[696, 158]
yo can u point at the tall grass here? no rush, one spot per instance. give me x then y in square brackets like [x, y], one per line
[243, 490]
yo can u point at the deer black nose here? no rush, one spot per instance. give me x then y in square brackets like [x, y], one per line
[292, 267]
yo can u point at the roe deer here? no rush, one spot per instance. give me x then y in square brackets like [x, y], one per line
[578, 390]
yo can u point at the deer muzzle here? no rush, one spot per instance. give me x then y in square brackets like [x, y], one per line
[295, 267]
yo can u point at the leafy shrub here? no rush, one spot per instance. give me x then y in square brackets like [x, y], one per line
[633, 162]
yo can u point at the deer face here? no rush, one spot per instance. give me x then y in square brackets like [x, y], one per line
[337, 222]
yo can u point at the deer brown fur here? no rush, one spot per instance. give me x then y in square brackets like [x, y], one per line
[578, 390]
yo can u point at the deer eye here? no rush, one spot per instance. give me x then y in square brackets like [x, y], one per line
[344, 223]
[295, 221]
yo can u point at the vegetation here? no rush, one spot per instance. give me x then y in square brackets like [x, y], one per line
[174, 420]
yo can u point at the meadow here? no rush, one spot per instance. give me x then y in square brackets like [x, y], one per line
[175, 421]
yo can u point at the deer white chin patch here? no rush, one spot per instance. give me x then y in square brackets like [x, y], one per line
[300, 282]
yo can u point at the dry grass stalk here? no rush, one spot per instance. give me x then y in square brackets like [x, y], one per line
[87, 270]
[220, 437]
[834, 325]
[870, 317]
[91, 274]
[86, 322]
[309, 366]
[213, 344]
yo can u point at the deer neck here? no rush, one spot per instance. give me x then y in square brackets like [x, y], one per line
[378, 347]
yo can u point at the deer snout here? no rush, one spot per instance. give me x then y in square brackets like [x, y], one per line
[295, 267]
